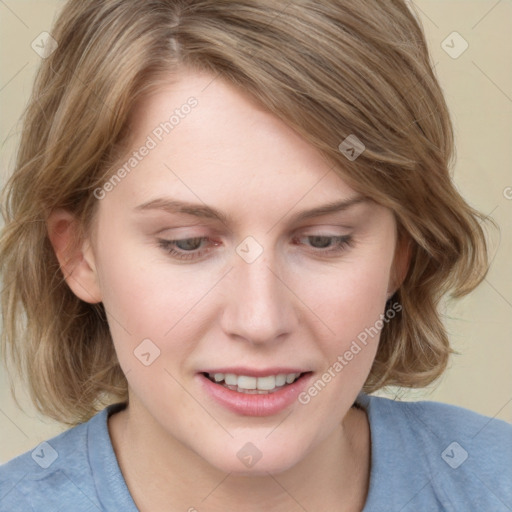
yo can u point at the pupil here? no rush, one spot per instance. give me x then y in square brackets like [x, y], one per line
[325, 239]
[190, 244]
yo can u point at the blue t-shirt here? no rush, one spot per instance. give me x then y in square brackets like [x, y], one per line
[425, 456]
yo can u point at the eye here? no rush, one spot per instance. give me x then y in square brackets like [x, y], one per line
[184, 249]
[328, 244]
[190, 248]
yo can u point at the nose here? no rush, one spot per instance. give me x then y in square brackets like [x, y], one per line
[260, 306]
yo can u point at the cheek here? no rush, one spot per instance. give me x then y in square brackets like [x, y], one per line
[351, 302]
[144, 300]
[353, 298]
[138, 285]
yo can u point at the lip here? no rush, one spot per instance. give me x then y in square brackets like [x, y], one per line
[253, 372]
[254, 405]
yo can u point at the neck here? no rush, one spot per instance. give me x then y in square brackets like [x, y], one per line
[163, 474]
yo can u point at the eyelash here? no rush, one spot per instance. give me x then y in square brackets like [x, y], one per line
[342, 243]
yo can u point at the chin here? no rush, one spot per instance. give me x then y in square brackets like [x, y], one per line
[246, 458]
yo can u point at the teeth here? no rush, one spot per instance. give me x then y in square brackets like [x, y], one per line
[254, 385]
[290, 378]
[230, 379]
[266, 383]
[280, 379]
[247, 382]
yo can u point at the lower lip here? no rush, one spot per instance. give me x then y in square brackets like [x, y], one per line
[255, 405]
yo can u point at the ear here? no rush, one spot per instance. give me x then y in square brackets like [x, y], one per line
[75, 256]
[401, 263]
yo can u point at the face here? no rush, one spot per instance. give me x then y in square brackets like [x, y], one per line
[210, 267]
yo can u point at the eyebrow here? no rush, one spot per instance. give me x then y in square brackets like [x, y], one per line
[208, 212]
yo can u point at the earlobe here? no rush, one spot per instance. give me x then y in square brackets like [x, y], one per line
[75, 257]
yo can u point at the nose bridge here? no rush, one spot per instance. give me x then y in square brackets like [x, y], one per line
[259, 305]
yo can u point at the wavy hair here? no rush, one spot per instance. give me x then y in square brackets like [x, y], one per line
[327, 68]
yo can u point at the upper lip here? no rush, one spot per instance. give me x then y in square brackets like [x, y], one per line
[254, 372]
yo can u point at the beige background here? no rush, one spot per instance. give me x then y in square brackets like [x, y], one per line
[478, 87]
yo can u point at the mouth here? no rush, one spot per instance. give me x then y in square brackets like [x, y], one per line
[250, 392]
[252, 385]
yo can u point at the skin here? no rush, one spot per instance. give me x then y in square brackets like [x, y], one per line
[293, 306]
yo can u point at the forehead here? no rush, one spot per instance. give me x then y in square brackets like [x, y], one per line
[210, 142]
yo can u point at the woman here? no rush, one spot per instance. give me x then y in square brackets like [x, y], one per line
[229, 224]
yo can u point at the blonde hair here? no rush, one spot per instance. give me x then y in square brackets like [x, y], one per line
[327, 68]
